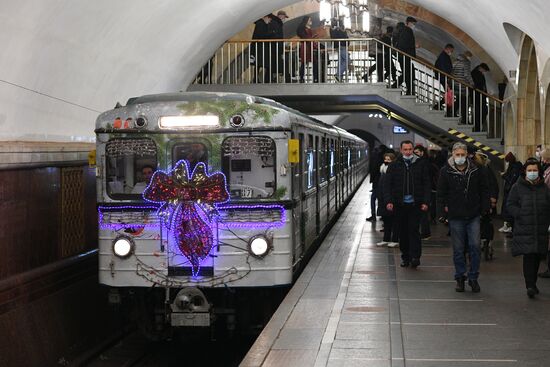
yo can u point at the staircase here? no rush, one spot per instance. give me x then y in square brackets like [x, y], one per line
[246, 67]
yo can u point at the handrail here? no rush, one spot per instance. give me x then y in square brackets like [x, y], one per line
[352, 61]
[432, 67]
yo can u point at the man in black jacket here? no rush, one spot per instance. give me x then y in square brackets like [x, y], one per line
[407, 44]
[480, 109]
[408, 193]
[462, 196]
[445, 64]
[277, 51]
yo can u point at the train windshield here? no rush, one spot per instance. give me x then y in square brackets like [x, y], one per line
[248, 163]
[192, 152]
[130, 163]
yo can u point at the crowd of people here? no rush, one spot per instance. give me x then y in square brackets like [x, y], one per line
[414, 188]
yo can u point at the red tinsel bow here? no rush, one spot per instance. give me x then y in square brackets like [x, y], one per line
[187, 206]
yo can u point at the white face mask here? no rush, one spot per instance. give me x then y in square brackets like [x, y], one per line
[537, 154]
[459, 160]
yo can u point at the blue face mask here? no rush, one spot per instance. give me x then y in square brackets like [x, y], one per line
[532, 176]
[460, 160]
[409, 158]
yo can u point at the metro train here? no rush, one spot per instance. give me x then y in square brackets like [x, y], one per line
[204, 193]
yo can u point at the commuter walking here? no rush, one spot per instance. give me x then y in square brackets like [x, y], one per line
[407, 44]
[277, 49]
[308, 50]
[513, 171]
[377, 158]
[480, 108]
[462, 197]
[337, 31]
[391, 230]
[445, 64]
[462, 71]
[529, 204]
[407, 196]
[384, 65]
[425, 231]
[545, 160]
[261, 51]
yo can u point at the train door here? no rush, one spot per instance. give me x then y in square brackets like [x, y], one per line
[297, 194]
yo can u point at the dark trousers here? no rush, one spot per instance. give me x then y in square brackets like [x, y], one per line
[409, 238]
[425, 224]
[530, 269]
[407, 74]
[391, 229]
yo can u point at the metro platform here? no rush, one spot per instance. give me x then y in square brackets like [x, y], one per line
[353, 305]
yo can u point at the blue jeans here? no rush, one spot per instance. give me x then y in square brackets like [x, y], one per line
[342, 61]
[465, 232]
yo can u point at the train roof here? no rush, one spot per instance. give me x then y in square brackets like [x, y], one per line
[137, 105]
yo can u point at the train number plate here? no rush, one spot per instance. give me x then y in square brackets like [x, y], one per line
[246, 192]
[190, 319]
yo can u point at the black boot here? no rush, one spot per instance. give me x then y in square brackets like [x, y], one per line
[475, 285]
[460, 284]
[415, 263]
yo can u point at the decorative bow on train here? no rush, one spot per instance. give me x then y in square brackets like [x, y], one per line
[188, 204]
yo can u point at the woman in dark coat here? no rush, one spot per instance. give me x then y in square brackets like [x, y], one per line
[529, 204]
[510, 177]
[391, 233]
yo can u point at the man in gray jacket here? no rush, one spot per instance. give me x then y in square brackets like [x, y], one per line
[462, 71]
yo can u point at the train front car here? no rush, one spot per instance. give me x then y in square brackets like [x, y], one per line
[194, 198]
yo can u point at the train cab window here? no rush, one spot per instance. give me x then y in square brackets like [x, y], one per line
[310, 163]
[192, 152]
[248, 163]
[130, 164]
[348, 160]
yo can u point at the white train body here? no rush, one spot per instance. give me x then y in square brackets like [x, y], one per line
[285, 206]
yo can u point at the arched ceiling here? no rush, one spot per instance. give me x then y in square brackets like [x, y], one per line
[64, 61]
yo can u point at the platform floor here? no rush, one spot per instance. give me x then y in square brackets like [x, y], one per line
[352, 306]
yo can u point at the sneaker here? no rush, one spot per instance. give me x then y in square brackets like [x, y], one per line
[381, 243]
[536, 290]
[404, 264]
[545, 274]
[415, 263]
[460, 284]
[503, 228]
[507, 230]
[531, 292]
[393, 244]
[426, 237]
[475, 285]
[371, 219]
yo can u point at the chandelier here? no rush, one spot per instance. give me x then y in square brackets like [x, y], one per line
[355, 13]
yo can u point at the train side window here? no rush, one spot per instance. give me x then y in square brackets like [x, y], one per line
[332, 159]
[323, 161]
[310, 163]
[192, 151]
[248, 163]
[129, 165]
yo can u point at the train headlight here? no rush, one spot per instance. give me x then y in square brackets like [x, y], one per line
[236, 121]
[123, 247]
[258, 246]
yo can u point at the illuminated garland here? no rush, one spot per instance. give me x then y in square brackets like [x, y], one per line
[188, 206]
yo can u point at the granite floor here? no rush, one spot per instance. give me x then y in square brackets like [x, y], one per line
[352, 306]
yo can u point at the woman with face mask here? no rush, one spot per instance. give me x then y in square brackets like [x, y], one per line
[391, 233]
[529, 204]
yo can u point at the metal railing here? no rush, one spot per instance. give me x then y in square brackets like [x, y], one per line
[353, 61]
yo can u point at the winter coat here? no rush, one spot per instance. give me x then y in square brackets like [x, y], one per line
[407, 42]
[261, 50]
[529, 204]
[445, 64]
[465, 194]
[511, 176]
[308, 50]
[382, 187]
[462, 70]
[415, 179]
